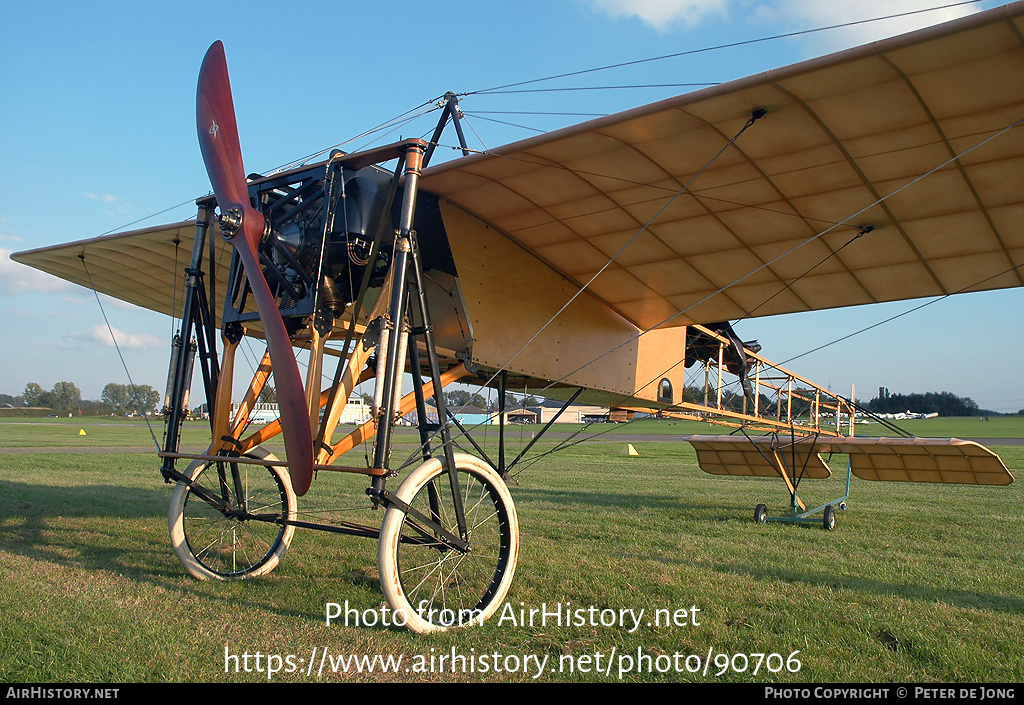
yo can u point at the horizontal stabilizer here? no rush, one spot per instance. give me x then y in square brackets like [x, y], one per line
[757, 457]
[944, 460]
[940, 460]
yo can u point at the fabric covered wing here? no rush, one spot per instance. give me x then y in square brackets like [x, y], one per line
[143, 267]
[912, 136]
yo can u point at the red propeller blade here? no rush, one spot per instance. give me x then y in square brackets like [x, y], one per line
[222, 154]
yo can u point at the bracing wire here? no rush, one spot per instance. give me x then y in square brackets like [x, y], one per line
[117, 347]
[576, 89]
[904, 313]
[386, 127]
[730, 45]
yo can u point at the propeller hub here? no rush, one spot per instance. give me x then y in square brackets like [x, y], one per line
[230, 221]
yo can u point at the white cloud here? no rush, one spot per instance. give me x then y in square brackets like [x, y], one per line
[112, 206]
[10, 238]
[64, 316]
[789, 15]
[126, 341]
[659, 14]
[810, 14]
[106, 198]
[118, 303]
[16, 278]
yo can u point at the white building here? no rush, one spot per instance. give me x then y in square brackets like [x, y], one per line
[356, 412]
[576, 413]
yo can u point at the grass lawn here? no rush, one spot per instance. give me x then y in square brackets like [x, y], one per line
[918, 583]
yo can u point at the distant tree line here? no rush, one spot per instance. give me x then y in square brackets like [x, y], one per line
[65, 398]
[130, 399]
[941, 403]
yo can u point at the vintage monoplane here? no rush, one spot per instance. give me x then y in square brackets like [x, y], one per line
[600, 262]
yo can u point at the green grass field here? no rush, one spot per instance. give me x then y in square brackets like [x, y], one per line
[918, 583]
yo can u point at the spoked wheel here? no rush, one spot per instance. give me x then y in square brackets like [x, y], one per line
[222, 523]
[431, 584]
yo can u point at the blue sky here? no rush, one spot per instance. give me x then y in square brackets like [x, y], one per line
[97, 131]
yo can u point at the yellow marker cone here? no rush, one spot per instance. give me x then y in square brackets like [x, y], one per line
[81, 432]
[629, 450]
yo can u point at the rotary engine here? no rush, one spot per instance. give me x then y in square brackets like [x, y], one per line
[319, 243]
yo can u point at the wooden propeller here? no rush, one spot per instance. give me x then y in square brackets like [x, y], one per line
[243, 226]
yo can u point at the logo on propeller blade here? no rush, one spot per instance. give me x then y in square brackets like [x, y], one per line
[213, 129]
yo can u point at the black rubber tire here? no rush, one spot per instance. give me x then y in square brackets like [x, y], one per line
[829, 518]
